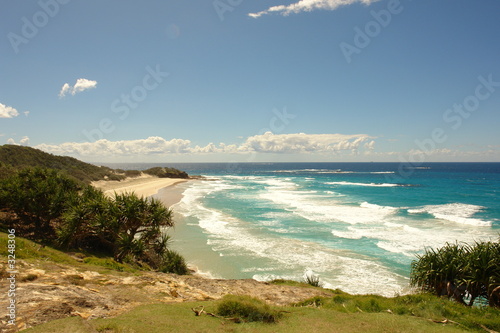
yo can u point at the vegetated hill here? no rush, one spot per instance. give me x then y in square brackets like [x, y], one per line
[166, 172]
[14, 157]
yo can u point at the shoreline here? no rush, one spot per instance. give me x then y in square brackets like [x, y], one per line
[170, 195]
[142, 186]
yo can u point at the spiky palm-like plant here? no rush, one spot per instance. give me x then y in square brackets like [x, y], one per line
[482, 274]
[458, 270]
[435, 269]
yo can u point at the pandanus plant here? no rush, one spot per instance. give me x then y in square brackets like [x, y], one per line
[459, 270]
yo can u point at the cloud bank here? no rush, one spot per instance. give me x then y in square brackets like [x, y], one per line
[8, 111]
[264, 143]
[307, 6]
[80, 85]
[303, 143]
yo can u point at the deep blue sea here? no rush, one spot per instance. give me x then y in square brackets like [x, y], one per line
[358, 226]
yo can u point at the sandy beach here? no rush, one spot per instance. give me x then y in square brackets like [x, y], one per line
[144, 185]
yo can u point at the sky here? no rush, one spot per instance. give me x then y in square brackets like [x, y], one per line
[252, 81]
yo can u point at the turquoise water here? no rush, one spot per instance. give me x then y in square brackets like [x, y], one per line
[358, 226]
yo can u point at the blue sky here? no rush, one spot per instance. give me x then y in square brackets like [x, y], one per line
[241, 80]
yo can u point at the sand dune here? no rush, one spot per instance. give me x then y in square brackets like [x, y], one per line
[144, 185]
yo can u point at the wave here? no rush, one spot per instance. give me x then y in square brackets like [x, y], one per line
[329, 171]
[338, 230]
[343, 183]
[409, 237]
[284, 256]
[322, 207]
[454, 212]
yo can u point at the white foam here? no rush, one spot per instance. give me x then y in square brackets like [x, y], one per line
[454, 212]
[329, 171]
[285, 257]
[350, 234]
[408, 237]
[324, 208]
[231, 236]
[377, 207]
[343, 183]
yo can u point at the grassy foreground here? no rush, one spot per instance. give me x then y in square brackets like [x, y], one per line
[179, 318]
[340, 312]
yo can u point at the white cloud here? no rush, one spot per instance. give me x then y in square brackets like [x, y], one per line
[307, 6]
[304, 143]
[80, 85]
[149, 146]
[370, 145]
[8, 111]
[64, 90]
[265, 143]
[23, 142]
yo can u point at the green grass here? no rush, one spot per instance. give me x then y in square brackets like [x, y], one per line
[26, 249]
[109, 263]
[425, 306]
[247, 309]
[340, 312]
[29, 250]
[158, 318]
[292, 283]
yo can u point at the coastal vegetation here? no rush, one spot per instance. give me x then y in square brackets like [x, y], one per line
[464, 272]
[47, 206]
[248, 309]
[162, 172]
[335, 311]
[48, 201]
[14, 158]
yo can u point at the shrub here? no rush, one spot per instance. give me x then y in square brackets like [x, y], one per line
[173, 262]
[132, 173]
[247, 309]
[313, 280]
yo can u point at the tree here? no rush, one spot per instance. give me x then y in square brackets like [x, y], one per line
[139, 222]
[87, 222]
[127, 227]
[53, 208]
[459, 270]
[38, 197]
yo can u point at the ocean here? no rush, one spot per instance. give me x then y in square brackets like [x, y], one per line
[357, 226]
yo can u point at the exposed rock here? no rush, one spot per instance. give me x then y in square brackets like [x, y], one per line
[63, 291]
